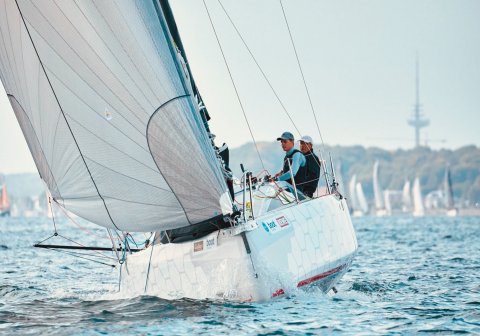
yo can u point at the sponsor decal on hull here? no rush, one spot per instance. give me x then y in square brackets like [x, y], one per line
[205, 244]
[275, 225]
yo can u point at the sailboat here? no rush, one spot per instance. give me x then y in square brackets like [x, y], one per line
[380, 210]
[352, 191]
[448, 194]
[118, 130]
[4, 201]
[406, 198]
[362, 201]
[388, 194]
[418, 208]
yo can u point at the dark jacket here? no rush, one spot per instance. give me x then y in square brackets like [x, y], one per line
[312, 174]
[301, 175]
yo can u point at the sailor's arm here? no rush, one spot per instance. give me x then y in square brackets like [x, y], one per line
[298, 160]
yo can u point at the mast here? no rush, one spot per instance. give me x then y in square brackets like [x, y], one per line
[172, 27]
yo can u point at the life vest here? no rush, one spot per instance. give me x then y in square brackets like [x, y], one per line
[301, 175]
[312, 167]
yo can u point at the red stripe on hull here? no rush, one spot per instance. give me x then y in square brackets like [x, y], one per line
[321, 276]
[278, 293]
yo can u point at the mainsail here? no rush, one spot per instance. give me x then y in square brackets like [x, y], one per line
[108, 111]
[362, 201]
[406, 197]
[353, 193]
[377, 191]
[448, 190]
[418, 208]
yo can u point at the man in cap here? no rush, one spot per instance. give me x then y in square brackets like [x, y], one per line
[294, 159]
[312, 166]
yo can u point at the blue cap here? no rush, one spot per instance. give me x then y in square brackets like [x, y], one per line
[286, 136]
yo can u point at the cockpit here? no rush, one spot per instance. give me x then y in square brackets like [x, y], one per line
[266, 196]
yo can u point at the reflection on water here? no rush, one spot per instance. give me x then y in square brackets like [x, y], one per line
[410, 275]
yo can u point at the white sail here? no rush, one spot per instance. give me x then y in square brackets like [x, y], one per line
[387, 194]
[362, 201]
[352, 193]
[448, 194]
[448, 190]
[108, 112]
[418, 209]
[377, 192]
[406, 197]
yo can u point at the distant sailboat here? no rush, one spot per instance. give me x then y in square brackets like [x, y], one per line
[418, 209]
[4, 202]
[448, 194]
[406, 197]
[362, 201]
[377, 192]
[352, 191]
[388, 204]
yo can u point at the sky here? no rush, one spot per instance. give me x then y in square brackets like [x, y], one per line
[358, 60]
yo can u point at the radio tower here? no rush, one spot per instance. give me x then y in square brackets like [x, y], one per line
[417, 121]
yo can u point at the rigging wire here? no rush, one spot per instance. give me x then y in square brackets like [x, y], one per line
[149, 265]
[79, 244]
[303, 76]
[233, 83]
[308, 94]
[259, 68]
[91, 233]
[76, 255]
[53, 215]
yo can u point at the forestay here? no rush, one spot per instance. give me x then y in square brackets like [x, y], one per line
[108, 113]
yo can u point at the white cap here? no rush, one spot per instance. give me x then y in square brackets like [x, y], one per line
[307, 139]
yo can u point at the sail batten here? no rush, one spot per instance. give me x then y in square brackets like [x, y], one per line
[110, 117]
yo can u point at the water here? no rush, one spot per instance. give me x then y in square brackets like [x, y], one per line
[410, 276]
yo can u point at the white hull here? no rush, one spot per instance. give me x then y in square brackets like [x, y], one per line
[381, 213]
[452, 212]
[312, 243]
[358, 213]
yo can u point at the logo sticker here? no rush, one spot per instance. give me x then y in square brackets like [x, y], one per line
[198, 246]
[275, 225]
[205, 244]
[210, 243]
[282, 221]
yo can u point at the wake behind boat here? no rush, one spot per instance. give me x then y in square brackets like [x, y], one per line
[119, 133]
